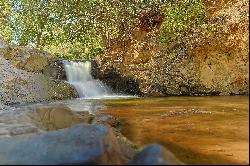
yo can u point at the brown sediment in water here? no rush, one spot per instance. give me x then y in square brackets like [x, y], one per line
[198, 130]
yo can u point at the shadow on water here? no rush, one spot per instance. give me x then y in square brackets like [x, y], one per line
[186, 154]
[198, 130]
[190, 156]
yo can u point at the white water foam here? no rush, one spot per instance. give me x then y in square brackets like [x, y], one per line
[79, 75]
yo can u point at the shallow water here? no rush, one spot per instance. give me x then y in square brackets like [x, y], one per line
[199, 130]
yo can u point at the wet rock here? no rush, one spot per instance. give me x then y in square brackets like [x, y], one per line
[22, 129]
[3, 132]
[55, 70]
[155, 154]
[59, 90]
[15, 122]
[4, 107]
[36, 118]
[119, 84]
[58, 116]
[81, 144]
[128, 149]
[108, 119]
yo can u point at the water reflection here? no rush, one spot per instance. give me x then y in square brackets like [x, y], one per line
[82, 105]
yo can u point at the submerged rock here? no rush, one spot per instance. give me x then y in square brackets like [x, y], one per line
[155, 154]
[81, 144]
[58, 116]
[36, 118]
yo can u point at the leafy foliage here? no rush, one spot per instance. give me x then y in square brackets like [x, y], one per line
[81, 29]
[180, 16]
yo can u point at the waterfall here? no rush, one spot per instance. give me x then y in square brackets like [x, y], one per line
[79, 75]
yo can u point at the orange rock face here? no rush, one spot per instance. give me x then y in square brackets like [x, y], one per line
[213, 60]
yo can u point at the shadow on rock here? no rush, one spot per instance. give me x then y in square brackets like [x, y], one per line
[119, 84]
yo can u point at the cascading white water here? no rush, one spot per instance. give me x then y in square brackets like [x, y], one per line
[79, 75]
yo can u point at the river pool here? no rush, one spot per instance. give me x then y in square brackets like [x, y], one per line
[198, 130]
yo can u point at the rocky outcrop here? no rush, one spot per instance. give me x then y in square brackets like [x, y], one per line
[28, 59]
[19, 86]
[212, 60]
[35, 60]
[22, 79]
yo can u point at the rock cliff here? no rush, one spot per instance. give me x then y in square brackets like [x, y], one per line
[212, 60]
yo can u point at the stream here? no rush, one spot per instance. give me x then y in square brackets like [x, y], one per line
[198, 130]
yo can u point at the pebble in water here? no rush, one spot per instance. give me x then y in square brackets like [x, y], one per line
[184, 112]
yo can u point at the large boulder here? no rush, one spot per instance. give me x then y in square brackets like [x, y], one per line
[81, 144]
[155, 154]
[23, 78]
[34, 60]
[28, 59]
[20, 86]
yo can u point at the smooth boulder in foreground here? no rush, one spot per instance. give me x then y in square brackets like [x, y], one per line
[81, 144]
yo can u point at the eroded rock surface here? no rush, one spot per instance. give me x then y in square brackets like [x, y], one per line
[212, 60]
[22, 81]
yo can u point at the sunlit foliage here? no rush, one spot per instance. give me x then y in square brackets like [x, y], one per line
[80, 29]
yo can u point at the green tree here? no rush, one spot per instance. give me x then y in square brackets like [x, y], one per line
[81, 29]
